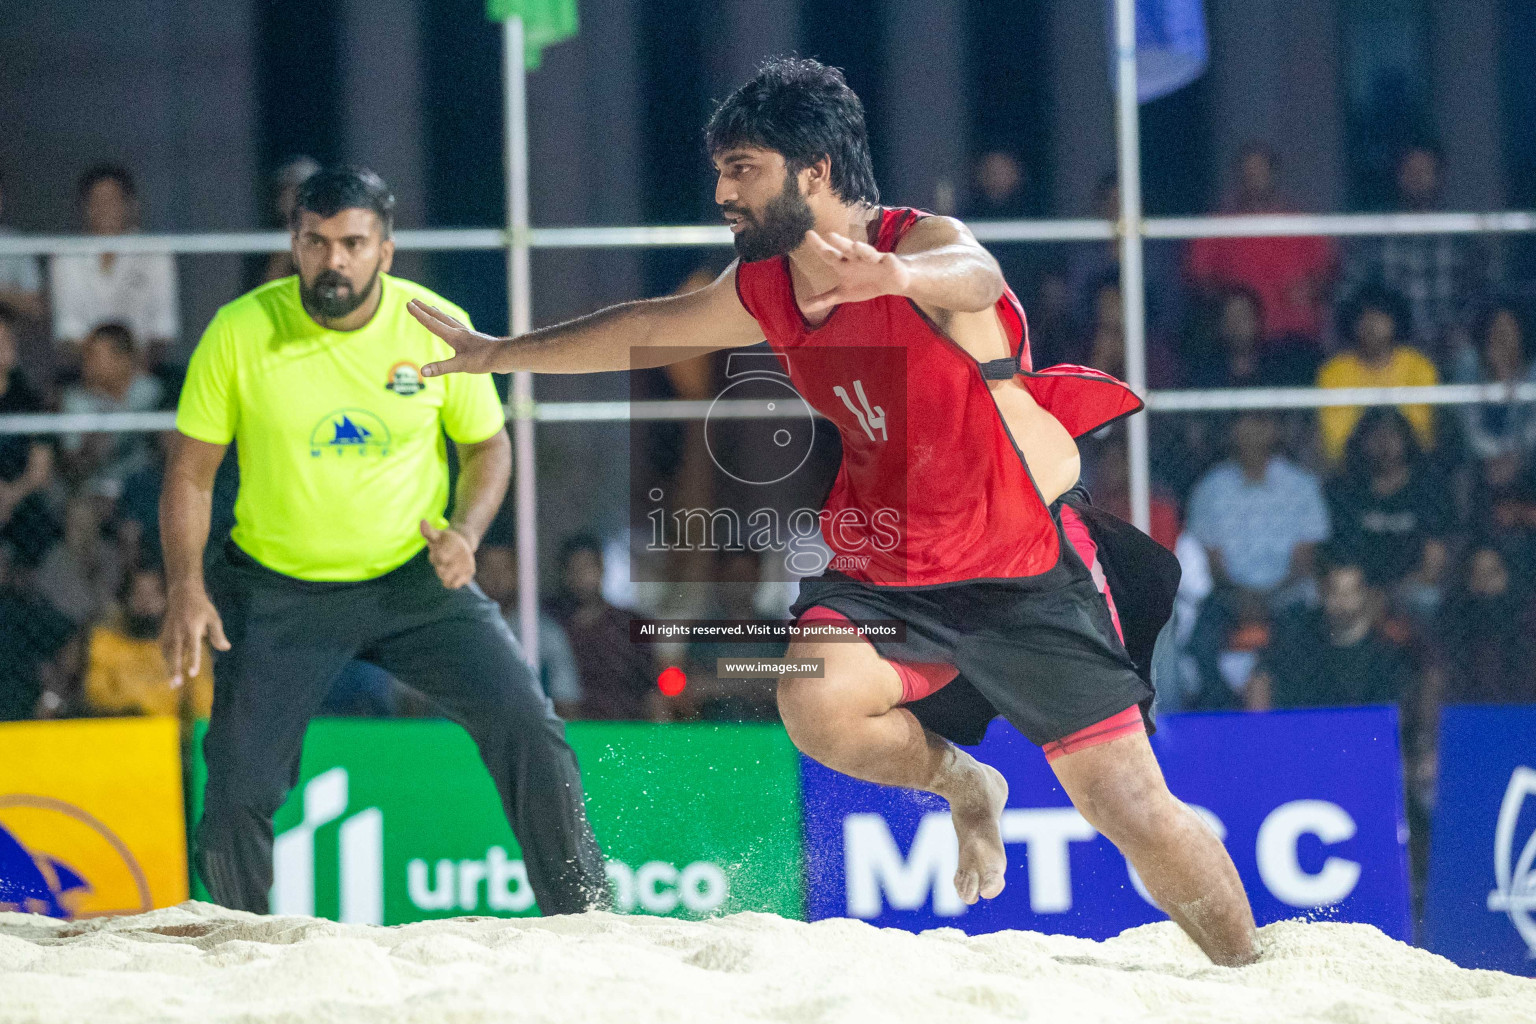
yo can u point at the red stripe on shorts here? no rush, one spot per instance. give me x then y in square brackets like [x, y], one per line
[1126, 723]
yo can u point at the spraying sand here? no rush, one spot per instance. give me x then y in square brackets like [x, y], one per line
[198, 962]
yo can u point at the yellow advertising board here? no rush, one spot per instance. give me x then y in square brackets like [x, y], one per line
[91, 816]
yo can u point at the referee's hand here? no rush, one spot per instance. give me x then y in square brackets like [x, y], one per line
[452, 555]
[189, 617]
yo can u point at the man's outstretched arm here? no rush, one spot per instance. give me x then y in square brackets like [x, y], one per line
[650, 332]
[938, 264]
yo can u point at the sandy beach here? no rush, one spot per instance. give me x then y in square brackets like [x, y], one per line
[198, 962]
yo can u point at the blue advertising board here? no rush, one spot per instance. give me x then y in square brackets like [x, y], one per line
[1480, 910]
[1309, 803]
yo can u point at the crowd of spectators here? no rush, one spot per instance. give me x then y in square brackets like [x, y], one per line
[82, 590]
[81, 586]
[1344, 556]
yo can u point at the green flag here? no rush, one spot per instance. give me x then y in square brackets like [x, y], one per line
[545, 22]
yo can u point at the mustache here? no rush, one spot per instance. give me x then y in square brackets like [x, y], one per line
[331, 278]
[738, 210]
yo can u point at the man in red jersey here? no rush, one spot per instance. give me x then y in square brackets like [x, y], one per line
[1009, 607]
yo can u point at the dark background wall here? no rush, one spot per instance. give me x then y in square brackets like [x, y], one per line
[203, 100]
[168, 87]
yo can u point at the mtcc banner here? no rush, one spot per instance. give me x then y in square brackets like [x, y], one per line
[1480, 910]
[397, 821]
[1309, 804]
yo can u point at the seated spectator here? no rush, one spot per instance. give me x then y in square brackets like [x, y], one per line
[496, 572]
[1487, 635]
[1333, 656]
[137, 290]
[1104, 347]
[80, 575]
[1050, 316]
[1292, 276]
[26, 462]
[617, 677]
[21, 281]
[125, 672]
[1371, 320]
[138, 506]
[1004, 189]
[1089, 264]
[110, 381]
[284, 194]
[36, 640]
[1500, 434]
[1434, 273]
[1222, 650]
[737, 576]
[1259, 516]
[1390, 511]
[1237, 356]
[1505, 516]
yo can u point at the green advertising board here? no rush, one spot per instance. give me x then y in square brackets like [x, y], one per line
[397, 820]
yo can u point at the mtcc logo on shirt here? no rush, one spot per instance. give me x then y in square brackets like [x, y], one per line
[405, 379]
[350, 431]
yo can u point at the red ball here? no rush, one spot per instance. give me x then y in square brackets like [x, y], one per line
[671, 681]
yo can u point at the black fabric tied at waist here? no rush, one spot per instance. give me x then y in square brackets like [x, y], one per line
[1000, 369]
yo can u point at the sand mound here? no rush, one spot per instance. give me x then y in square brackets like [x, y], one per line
[198, 962]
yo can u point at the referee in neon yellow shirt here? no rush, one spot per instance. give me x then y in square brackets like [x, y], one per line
[340, 548]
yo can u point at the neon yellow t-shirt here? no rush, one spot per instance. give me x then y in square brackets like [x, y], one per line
[339, 436]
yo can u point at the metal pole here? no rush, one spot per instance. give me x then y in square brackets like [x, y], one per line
[1132, 277]
[519, 302]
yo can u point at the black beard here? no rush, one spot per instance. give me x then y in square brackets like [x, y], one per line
[141, 627]
[786, 219]
[331, 296]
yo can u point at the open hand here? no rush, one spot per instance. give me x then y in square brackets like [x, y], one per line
[189, 617]
[473, 352]
[863, 271]
[451, 553]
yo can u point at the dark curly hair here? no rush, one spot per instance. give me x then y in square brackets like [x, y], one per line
[803, 110]
[332, 189]
[1376, 297]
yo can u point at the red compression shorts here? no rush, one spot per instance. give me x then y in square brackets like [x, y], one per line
[919, 678]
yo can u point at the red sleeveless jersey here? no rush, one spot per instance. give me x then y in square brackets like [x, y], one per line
[932, 488]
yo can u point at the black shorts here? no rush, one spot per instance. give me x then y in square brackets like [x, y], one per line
[1041, 651]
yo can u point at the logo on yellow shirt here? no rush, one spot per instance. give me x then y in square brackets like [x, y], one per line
[348, 431]
[405, 378]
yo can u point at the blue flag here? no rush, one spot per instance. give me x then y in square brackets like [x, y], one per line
[1171, 45]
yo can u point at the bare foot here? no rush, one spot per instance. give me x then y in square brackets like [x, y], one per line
[975, 806]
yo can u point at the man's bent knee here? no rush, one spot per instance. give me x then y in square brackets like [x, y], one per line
[811, 715]
[1124, 802]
